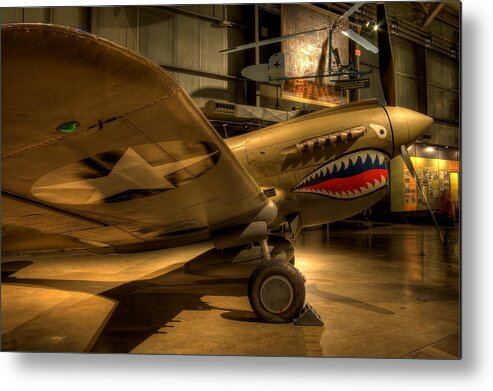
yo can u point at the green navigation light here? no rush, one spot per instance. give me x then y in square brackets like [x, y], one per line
[68, 127]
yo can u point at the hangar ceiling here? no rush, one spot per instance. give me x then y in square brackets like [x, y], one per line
[186, 41]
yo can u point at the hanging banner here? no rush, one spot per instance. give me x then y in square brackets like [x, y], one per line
[308, 55]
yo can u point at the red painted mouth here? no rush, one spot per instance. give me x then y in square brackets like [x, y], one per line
[349, 177]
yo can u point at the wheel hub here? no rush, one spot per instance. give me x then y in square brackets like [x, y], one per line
[276, 294]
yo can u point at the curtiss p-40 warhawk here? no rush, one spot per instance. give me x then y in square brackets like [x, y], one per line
[102, 145]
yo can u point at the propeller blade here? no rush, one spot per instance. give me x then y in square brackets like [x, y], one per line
[351, 11]
[360, 40]
[385, 58]
[409, 164]
[271, 40]
[347, 14]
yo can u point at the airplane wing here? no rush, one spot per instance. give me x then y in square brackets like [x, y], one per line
[101, 144]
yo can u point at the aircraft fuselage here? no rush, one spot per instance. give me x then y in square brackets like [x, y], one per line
[331, 164]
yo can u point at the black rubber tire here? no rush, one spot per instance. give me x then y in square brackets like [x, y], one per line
[282, 258]
[282, 273]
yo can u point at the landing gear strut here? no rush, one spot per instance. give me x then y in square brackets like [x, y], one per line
[265, 250]
[276, 289]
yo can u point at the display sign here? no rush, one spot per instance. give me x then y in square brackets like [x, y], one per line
[343, 85]
[433, 182]
[410, 190]
[435, 177]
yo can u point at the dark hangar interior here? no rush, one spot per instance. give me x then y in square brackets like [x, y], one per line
[382, 282]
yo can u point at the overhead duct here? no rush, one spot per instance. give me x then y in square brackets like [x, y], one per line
[231, 111]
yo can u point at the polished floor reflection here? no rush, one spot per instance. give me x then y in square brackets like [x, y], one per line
[392, 291]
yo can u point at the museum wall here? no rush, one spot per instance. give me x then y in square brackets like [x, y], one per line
[173, 40]
[68, 16]
[185, 45]
[405, 73]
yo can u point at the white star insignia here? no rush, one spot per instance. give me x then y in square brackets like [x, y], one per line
[132, 171]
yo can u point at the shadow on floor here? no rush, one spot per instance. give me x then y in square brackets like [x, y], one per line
[10, 268]
[149, 306]
[145, 306]
[348, 300]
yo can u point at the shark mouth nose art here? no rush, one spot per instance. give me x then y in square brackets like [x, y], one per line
[351, 176]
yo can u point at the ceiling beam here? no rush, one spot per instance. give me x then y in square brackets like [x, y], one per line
[433, 13]
[423, 7]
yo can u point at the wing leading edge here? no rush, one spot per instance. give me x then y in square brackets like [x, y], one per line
[95, 131]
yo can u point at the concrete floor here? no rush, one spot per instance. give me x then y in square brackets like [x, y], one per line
[385, 300]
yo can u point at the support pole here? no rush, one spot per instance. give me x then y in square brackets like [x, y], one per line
[422, 242]
[265, 250]
[257, 53]
[330, 51]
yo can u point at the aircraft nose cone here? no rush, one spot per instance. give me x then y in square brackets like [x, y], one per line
[407, 125]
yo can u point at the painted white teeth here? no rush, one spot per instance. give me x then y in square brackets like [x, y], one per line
[366, 157]
[374, 158]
